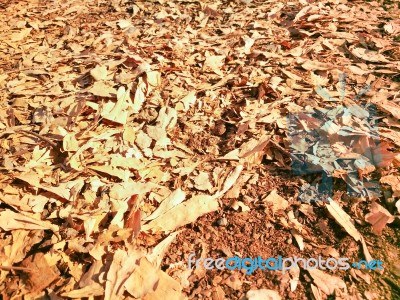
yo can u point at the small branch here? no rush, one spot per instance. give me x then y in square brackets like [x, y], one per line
[9, 268]
[43, 138]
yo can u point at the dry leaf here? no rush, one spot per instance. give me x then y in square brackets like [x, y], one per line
[166, 286]
[118, 112]
[394, 182]
[234, 282]
[294, 274]
[10, 221]
[378, 217]
[214, 63]
[157, 254]
[70, 142]
[263, 294]
[202, 182]
[230, 180]
[99, 73]
[299, 239]
[175, 198]
[184, 213]
[343, 219]
[311, 65]
[277, 202]
[187, 102]
[327, 283]
[122, 266]
[94, 289]
[368, 55]
[102, 89]
[144, 279]
[15, 37]
[41, 275]
[254, 146]
[140, 96]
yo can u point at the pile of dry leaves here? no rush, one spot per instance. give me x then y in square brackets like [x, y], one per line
[134, 133]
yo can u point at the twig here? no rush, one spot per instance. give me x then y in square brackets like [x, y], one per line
[10, 268]
[43, 138]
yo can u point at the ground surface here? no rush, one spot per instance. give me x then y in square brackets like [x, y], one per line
[135, 133]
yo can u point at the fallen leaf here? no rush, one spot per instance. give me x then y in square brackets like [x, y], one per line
[327, 283]
[394, 182]
[343, 219]
[92, 290]
[230, 180]
[312, 65]
[234, 282]
[187, 102]
[368, 55]
[10, 221]
[99, 72]
[174, 199]
[263, 294]
[214, 63]
[140, 96]
[378, 217]
[19, 36]
[41, 275]
[118, 112]
[143, 280]
[299, 239]
[182, 214]
[202, 182]
[277, 202]
[122, 266]
[102, 89]
[166, 286]
[157, 253]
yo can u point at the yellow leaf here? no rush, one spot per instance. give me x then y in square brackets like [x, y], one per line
[100, 88]
[99, 73]
[184, 213]
[19, 36]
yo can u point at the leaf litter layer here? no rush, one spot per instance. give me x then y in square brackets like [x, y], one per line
[136, 133]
